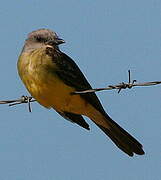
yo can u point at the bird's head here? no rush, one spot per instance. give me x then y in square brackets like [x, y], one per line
[41, 38]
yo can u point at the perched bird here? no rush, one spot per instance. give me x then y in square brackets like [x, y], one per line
[51, 77]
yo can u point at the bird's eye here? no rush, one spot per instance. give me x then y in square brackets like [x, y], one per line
[39, 39]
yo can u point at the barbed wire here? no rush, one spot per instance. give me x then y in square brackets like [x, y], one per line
[21, 100]
[119, 87]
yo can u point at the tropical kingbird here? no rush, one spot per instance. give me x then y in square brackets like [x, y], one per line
[52, 77]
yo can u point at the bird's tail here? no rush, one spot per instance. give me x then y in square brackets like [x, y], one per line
[118, 135]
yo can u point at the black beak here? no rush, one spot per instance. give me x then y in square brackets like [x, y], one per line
[59, 41]
[56, 41]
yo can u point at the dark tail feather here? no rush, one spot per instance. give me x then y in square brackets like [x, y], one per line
[120, 137]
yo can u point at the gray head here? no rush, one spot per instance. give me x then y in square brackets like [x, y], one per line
[41, 38]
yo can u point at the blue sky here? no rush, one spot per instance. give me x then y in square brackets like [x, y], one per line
[105, 38]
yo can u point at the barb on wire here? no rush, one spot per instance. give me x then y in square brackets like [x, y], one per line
[119, 87]
[22, 100]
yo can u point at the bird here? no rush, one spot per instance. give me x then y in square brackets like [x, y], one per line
[52, 77]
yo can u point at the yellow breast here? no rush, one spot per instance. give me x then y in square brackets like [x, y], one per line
[46, 87]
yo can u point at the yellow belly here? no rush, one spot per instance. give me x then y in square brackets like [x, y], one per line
[47, 88]
[54, 93]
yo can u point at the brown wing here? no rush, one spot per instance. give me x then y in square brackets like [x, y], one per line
[75, 118]
[70, 73]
